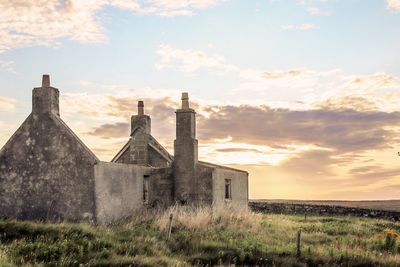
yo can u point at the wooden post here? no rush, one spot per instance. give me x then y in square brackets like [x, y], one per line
[305, 217]
[298, 244]
[169, 227]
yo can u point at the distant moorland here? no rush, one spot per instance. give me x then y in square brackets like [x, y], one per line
[391, 205]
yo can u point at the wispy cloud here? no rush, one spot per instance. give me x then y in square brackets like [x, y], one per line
[7, 104]
[315, 11]
[46, 22]
[305, 88]
[309, 88]
[190, 60]
[111, 130]
[393, 5]
[301, 27]
[270, 75]
[7, 66]
[167, 8]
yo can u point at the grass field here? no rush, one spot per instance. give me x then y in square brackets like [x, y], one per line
[391, 205]
[203, 237]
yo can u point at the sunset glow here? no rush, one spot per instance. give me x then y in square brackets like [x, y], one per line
[302, 94]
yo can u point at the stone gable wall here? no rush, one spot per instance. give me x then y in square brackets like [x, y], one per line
[46, 173]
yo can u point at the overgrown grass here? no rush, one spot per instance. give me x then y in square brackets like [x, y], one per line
[201, 237]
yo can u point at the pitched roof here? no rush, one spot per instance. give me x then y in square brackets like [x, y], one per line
[153, 143]
[212, 165]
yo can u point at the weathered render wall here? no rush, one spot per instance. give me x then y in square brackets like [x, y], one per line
[119, 190]
[161, 187]
[204, 187]
[46, 172]
[239, 186]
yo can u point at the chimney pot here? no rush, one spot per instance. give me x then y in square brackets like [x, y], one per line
[46, 80]
[140, 108]
[185, 100]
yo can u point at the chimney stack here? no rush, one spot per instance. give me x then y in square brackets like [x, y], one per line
[141, 120]
[45, 99]
[140, 136]
[186, 153]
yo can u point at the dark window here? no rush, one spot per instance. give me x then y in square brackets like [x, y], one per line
[146, 189]
[228, 189]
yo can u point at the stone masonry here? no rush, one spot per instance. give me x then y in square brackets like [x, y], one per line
[47, 172]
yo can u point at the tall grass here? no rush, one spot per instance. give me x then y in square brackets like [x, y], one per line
[204, 218]
[202, 236]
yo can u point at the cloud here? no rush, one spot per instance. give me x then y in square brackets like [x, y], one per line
[47, 22]
[304, 88]
[313, 163]
[301, 27]
[393, 5]
[110, 119]
[43, 22]
[340, 130]
[190, 60]
[372, 174]
[315, 11]
[364, 169]
[378, 79]
[7, 66]
[307, 89]
[7, 104]
[167, 8]
[341, 124]
[108, 131]
[237, 149]
[348, 102]
[339, 146]
[282, 74]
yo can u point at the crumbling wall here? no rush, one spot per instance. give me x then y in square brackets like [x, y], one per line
[46, 173]
[119, 190]
[161, 187]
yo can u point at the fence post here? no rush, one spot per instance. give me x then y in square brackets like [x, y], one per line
[298, 244]
[169, 227]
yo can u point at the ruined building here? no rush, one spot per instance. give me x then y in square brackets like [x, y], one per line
[47, 172]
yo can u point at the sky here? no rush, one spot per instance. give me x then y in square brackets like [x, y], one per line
[303, 94]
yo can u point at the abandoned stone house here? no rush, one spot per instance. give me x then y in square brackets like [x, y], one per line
[47, 172]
